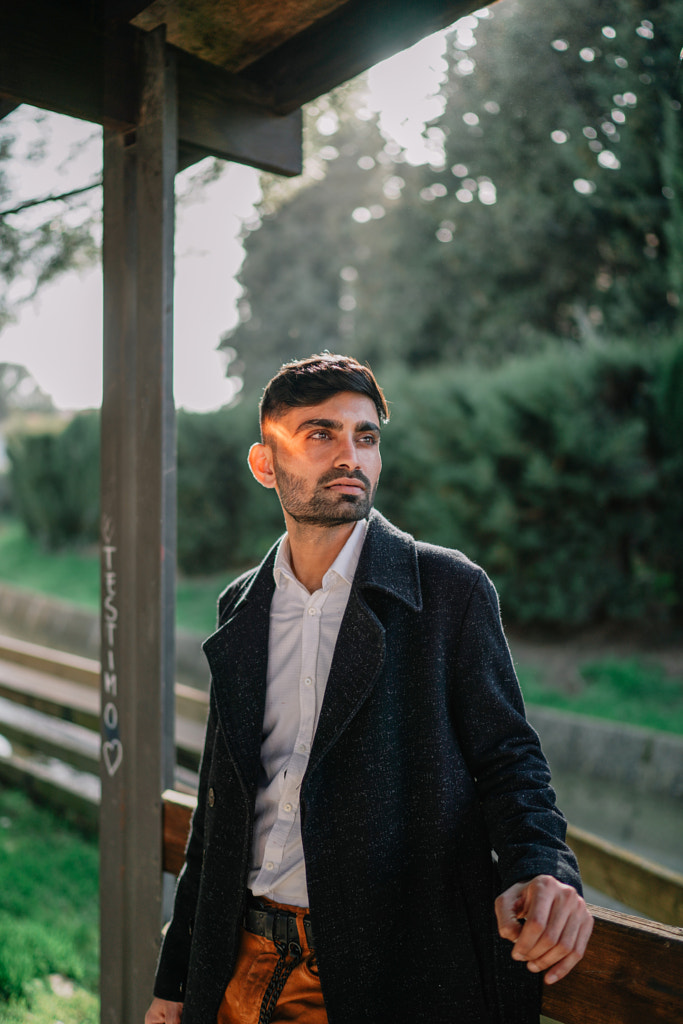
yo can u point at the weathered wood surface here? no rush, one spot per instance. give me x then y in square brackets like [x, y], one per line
[191, 704]
[138, 529]
[7, 106]
[639, 883]
[50, 661]
[632, 972]
[57, 57]
[178, 808]
[346, 42]
[35, 731]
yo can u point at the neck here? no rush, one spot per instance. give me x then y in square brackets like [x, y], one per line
[313, 549]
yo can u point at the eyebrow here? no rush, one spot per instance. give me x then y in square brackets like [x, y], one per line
[364, 426]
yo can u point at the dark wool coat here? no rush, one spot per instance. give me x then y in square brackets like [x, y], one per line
[426, 795]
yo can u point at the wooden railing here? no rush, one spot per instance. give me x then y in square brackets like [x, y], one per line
[632, 972]
[50, 713]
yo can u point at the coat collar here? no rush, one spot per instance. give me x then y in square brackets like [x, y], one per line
[388, 562]
[238, 651]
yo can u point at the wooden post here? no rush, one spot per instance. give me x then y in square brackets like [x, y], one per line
[138, 534]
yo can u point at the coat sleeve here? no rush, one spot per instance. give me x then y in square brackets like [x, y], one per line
[174, 957]
[503, 752]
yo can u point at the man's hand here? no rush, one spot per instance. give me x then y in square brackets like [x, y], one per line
[163, 1011]
[548, 922]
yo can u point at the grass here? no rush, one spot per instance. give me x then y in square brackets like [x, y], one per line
[42, 1005]
[74, 575]
[46, 929]
[622, 690]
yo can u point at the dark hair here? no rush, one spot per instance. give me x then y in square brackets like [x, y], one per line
[313, 380]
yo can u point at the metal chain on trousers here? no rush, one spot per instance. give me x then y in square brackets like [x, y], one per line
[283, 969]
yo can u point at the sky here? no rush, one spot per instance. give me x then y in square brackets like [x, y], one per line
[58, 335]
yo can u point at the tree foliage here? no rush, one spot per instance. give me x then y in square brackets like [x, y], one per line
[555, 209]
[560, 471]
[39, 240]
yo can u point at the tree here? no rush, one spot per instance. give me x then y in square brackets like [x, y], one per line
[556, 208]
[40, 237]
[19, 392]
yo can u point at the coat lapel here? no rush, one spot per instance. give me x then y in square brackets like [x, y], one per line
[238, 652]
[238, 657]
[388, 563]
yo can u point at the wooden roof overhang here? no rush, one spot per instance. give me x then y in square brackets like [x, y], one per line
[237, 61]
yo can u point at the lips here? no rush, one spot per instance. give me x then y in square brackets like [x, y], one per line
[346, 485]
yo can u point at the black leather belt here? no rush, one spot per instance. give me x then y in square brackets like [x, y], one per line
[275, 925]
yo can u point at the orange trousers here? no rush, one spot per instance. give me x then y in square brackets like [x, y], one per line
[301, 999]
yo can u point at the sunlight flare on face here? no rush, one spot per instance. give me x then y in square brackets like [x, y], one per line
[325, 460]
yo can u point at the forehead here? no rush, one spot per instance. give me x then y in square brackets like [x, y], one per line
[347, 408]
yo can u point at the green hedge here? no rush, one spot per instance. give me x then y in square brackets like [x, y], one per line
[561, 473]
[54, 481]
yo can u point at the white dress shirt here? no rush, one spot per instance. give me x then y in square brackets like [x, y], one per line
[303, 634]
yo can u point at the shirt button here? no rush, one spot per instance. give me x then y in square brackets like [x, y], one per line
[308, 681]
[303, 747]
[312, 611]
[269, 865]
[288, 807]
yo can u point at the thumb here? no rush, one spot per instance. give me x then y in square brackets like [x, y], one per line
[509, 907]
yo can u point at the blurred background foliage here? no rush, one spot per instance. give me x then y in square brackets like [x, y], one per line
[560, 471]
[551, 206]
[519, 297]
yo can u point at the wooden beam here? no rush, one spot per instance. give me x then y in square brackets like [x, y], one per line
[52, 56]
[634, 881]
[217, 115]
[121, 11]
[346, 42]
[56, 58]
[178, 808]
[7, 106]
[138, 534]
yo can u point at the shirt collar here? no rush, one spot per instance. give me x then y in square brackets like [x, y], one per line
[343, 567]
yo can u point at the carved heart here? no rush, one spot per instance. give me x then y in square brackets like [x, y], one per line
[112, 751]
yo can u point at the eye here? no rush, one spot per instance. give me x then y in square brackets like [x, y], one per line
[369, 439]
[318, 435]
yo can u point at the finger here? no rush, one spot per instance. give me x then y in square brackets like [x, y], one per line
[556, 944]
[537, 917]
[562, 968]
[559, 932]
[509, 907]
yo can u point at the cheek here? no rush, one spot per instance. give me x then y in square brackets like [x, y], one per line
[374, 466]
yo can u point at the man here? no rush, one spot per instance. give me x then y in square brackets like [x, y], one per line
[369, 784]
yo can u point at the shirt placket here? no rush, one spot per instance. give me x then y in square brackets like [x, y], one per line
[294, 771]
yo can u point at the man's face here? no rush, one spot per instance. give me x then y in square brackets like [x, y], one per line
[326, 459]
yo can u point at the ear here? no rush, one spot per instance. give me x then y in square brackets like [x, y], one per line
[261, 464]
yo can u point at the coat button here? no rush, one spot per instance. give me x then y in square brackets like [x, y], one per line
[212, 798]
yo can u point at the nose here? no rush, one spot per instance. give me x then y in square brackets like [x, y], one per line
[347, 453]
